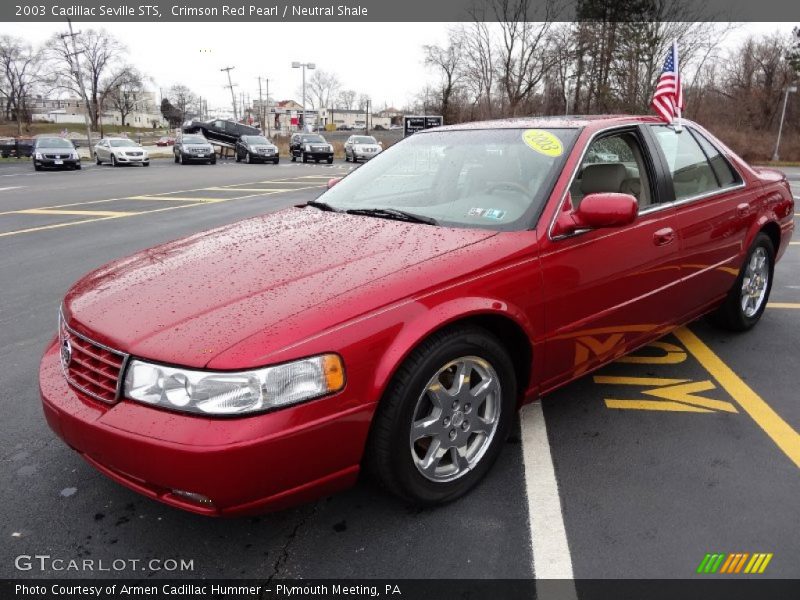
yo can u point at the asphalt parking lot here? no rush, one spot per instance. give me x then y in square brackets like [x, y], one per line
[690, 447]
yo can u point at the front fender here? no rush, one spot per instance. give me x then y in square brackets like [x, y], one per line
[422, 321]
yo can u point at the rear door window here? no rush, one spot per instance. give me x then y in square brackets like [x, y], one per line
[691, 171]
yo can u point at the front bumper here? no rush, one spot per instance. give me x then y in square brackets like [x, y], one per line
[365, 155]
[264, 157]
[57, 163]
[246, 465]
[195, 158]
[317, 155]
[133, 159]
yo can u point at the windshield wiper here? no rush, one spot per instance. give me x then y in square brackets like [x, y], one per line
[321, 205]
[392, 213]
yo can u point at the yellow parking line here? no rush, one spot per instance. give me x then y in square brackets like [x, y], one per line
[232, 189]
[71, 223]
[87, 213]
[786, 438]
[176, 198]
[783, 305]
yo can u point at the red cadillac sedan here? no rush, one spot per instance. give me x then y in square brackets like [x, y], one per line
[397, 323]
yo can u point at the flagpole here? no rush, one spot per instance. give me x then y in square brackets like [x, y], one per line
[678, 124]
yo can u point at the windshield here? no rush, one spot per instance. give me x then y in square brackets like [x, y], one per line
[194, 139]
[255, 139]
[121, 143]
[54, 143]
[488, 179]
[313, 139]
[364, 139]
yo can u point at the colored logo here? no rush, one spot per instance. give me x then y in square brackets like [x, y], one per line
[738, 562]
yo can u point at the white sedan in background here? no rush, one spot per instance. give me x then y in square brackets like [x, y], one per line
[120, 151]
[361, 147]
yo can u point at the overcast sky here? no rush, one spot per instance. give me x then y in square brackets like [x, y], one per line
[383, 60]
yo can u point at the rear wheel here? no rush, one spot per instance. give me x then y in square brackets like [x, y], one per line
[444, 418]
[748, 297]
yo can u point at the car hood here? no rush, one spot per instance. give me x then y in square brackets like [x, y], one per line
[186, 301]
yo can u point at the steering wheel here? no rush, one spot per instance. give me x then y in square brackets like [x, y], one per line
[507, 185]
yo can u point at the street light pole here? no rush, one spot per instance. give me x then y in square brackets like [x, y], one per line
[304, 66]
[789, 89]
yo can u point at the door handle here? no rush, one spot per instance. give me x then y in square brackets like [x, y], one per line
[663, 237]
[742, 210]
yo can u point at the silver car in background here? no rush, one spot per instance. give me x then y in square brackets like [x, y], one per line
[120, 151]
[361, 147]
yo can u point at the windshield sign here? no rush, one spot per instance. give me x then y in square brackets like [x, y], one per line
[489, 179]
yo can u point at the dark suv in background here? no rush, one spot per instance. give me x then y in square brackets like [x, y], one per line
[310, 146]
[220, 130]
[256, 148]
[193, 148]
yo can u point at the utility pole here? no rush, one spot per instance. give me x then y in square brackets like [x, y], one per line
[263, 113]
[267, 116]
[76, 70]
[366, 124]
[790, 89]
[230, 86]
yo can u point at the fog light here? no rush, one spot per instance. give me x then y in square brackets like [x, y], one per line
[194, 497]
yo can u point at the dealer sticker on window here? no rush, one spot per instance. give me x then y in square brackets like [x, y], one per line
[543, 142]
[487, 213]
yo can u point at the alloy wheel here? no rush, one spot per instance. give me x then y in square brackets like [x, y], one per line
[755, 282]
[455, 419]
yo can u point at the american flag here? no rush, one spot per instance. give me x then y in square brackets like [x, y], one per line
[668, 97]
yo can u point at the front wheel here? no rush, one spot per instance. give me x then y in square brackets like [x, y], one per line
[444, 418]
[247, 158]
[97, 159]
[330, 160]
[305, 158]
[114, 162]
[748, 297]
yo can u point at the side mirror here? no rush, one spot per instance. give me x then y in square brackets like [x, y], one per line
[597, 211]
[333, 181]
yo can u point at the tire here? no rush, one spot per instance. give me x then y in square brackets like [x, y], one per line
[37, 168]
[175, 156]
[97, 159]
[247, 158]
[316, 161]
[346, 156]
[238, 158]
[147, 164]
[330, 160]
[78, 166]
[751, 288]
[275, 162]
[182, 160]
[114, 161]
[397, 462]
[355, 160]
[305, 158]
[294, 158]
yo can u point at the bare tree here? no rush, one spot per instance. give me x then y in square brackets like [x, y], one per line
[101, 59]
[182, 99]
[20, 73]
[346, 99]
[126, 93]
[449, 64]
[321, 87]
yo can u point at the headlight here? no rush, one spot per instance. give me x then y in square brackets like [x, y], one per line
[74, 156]
[234, 393]
[38, 156]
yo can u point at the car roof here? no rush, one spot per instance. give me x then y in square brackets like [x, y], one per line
[560, 121]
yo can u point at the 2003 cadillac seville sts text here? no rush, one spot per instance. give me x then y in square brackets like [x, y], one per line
[397, 322]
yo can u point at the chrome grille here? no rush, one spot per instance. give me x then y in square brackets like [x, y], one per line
[90, 367]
